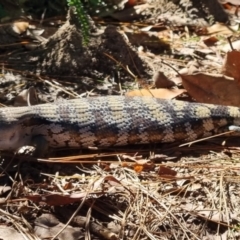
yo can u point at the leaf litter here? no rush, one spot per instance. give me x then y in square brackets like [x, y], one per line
[141, 192]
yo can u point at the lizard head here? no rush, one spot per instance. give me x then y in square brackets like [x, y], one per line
[13, 136]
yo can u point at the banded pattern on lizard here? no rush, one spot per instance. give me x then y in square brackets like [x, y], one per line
[113, 121]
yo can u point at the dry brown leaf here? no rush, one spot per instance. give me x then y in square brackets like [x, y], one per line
[161, 81]
[219, 28]
[210, 41]
[231, 67]
[163, 170]
[157, 93]
[215, 89]
[58, 199]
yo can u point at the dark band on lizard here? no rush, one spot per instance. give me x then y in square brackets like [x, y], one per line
[113, 121]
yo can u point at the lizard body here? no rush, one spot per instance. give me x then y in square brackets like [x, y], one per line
[113, 121]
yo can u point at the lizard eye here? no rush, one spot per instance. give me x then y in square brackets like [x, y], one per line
[9, 140]
[12, 136]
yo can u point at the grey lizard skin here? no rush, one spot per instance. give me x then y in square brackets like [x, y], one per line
[112, 121]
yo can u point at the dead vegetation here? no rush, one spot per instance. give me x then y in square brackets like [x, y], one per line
[140, 192]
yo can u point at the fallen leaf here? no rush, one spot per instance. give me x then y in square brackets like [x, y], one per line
[58, 199]
[163, 170]
[231, 67]
[219, 28]
[210, 41]
[157, 93]
[161, 81]
[215, 89]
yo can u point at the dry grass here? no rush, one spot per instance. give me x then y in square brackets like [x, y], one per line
[133, 198]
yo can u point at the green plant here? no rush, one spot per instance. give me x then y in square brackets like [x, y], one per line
[83, 19]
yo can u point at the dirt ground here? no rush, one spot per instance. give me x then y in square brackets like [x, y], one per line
[102, 66]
